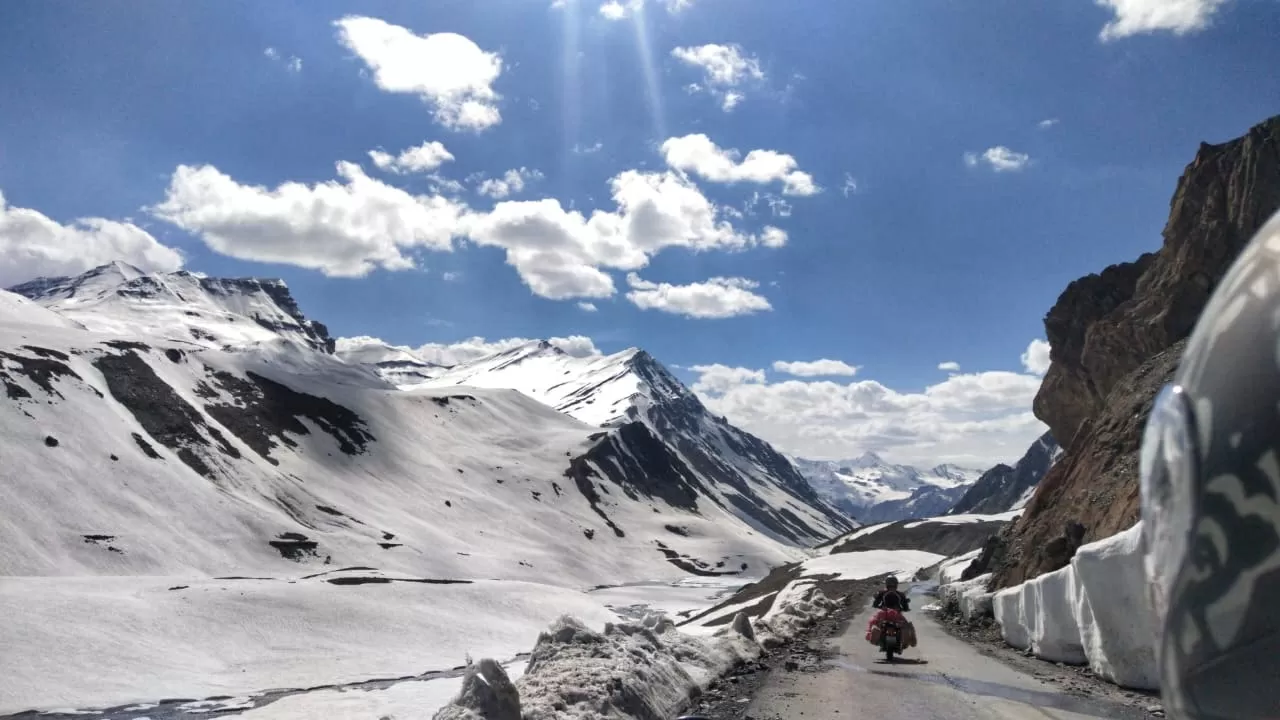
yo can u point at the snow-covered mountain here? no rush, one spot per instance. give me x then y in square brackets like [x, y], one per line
[120, 299]
[170, 423]
[397, 365]
[1010, 488]
[650, 414]
[873, 490]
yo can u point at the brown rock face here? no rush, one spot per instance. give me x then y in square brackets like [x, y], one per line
[1116, 338]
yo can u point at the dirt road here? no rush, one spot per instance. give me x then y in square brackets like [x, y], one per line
[943, 678]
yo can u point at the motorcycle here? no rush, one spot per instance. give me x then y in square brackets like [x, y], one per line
[890, 639]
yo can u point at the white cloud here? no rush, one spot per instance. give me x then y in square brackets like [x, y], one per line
[715, 298]
[1047, 123]
[1135, 17]
[717, 379]
[697, 154]
[976, 419]
[356, 224]
[587, 307]
[424, 157]
[949, 366]
[559, 252]
[581, 149]
[614, 10]
[33, 245]
[447, 70]
[1036, 357]
[725, 65]
[850, 186]
[999, 158]
[620, 9]
[511, 182]
[816, 368]
[293, 63]
[477, 347]
[725, 69]
[343, 228]
[450, 275]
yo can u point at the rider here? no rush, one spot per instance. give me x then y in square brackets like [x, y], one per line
[1210, 487]
[892, 603]
[891, 588]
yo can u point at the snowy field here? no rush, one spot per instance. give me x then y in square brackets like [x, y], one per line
[94, 642]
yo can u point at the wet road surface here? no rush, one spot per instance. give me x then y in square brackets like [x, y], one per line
[942, 678]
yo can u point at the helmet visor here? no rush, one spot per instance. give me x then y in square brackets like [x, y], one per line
[1167, 471]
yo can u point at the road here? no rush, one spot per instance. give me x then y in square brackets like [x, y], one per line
[943, 677]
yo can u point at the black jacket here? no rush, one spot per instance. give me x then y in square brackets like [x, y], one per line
[904, 601]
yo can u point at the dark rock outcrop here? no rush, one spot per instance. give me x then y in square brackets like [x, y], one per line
[1002, 486]
[1117, 337]
[672, 448]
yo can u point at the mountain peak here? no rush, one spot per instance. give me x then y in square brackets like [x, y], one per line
[119, 298]
[868, 459]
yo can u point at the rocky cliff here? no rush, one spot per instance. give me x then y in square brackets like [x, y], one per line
[1116, 338]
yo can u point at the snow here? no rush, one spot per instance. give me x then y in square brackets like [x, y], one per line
[674, 599]
[105, 526]
[114, 640]
[119, 299]
[1026, 498]
[951, 569]
[598, 390]
[404, 699]
[1095, 610]
[869, 563]
[869, 480]
[965, 519]
[646, 669]
[971, 595]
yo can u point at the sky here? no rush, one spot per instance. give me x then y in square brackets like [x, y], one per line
[841, 222]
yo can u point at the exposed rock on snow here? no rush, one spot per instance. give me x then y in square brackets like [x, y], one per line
[120, 299]
[1117, 337]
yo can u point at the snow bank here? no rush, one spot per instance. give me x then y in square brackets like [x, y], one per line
[1095, 610]
[629, 670]
[651, 669]
[93, 642]
[964, 519]
[951, 569]
[971, 596]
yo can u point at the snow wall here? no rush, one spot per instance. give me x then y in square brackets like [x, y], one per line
[1095, 610]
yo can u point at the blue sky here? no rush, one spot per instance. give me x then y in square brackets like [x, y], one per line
[940, 170]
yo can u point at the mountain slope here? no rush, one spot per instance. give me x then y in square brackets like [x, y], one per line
[873, 490]
[257, 450]
[140, 457]
[650, 414]
[1002, 487]
[120, 299]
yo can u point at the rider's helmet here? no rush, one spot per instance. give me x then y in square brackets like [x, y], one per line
[892, 602]
[1210, 486]
[891, 582]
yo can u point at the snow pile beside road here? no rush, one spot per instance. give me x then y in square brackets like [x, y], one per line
[1095, 610]
[628, 670]
[970, 596]
[952, 568]
[651, 669]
